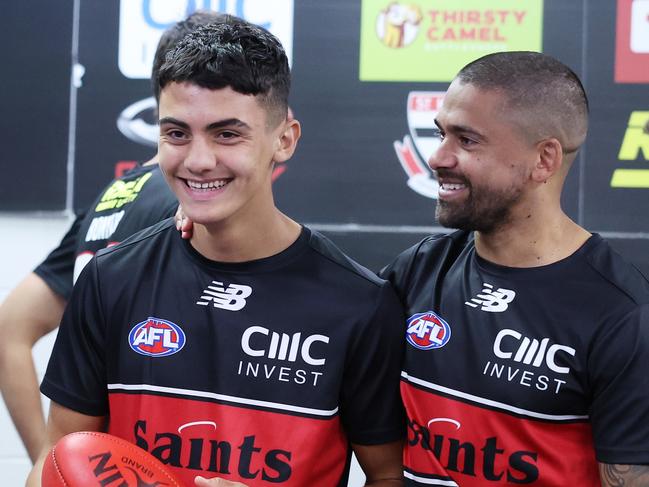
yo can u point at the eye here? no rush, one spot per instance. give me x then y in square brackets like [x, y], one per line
[437, 132]
[466, 141]
[172, 134]
[176, 134]
[227, 137]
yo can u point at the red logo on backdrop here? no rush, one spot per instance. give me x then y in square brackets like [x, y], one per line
[424, 139]
[122, 167]
[632, 42]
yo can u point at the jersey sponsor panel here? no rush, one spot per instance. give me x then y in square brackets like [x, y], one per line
[202, 436]
[454, 437]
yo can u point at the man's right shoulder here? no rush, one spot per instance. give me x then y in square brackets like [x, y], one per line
[430, 257]
[432, 247]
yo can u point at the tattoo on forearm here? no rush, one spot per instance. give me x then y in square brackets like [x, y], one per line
[613, 475]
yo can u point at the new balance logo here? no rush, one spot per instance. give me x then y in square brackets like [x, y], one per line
[233, 297]
[492, 301]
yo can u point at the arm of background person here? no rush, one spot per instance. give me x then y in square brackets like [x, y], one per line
[62, 421]
[28, 313]
[382, 464]
[613, 475]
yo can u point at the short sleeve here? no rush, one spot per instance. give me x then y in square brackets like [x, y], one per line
[620, 383]
[76, 372]
[58, 267]
[371, 408]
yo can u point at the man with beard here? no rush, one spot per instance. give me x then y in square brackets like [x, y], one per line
[528, 336]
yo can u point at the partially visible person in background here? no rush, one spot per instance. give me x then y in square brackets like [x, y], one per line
[34, 308]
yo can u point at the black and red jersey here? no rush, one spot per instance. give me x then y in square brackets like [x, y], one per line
[260, 372]
[127, 205]
[521, 375]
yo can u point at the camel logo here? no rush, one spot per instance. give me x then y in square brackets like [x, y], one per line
[398, 25]
[416, 148]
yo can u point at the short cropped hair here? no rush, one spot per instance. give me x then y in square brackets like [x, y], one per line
[172, 35]
[233, 53]
[547, 96]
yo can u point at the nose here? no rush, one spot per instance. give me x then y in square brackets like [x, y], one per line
[200, 157]
[443, 156]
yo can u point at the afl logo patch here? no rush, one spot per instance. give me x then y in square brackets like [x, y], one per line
[156, 338]
[427, 331]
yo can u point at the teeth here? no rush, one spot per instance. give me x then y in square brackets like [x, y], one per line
[211, 185]
[452, 187]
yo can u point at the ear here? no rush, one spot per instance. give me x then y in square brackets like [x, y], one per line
[550, 160]
[287, 140]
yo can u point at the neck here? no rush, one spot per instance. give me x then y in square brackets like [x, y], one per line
[232, 242]
[531, 242]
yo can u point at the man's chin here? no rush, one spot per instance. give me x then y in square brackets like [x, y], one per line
[447, 219]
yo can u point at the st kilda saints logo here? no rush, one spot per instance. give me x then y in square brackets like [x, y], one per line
[427, 331]
[416, 148]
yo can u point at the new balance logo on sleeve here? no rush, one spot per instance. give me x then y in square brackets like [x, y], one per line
[232, 297]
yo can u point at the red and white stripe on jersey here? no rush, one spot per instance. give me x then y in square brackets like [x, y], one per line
[197, 433]
[459, 439]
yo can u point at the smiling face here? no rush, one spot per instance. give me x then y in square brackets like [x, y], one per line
[216, 151]
[483, 163]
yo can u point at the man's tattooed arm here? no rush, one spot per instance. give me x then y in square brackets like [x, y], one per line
[613, 475]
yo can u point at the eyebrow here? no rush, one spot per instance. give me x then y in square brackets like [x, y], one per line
[228, 122]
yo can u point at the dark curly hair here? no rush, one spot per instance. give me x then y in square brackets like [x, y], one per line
[232, 53]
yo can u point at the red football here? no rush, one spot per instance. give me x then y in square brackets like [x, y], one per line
[89, 458]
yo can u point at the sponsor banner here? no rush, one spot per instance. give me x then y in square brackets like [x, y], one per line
[430, 40]
[634, 154]
[632, 42]
[142, 22]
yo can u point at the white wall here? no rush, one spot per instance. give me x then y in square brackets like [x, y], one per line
[26, 240]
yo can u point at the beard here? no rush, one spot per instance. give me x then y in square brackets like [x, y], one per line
[484, 210]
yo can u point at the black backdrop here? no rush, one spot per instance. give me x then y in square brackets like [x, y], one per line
[345, 177]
